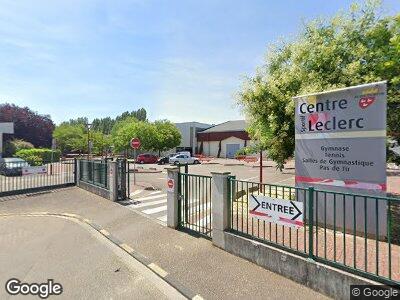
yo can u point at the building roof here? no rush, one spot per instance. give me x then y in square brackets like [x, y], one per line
[235, 125]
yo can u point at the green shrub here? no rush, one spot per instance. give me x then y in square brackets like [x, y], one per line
[38, 156]
[34, 160]
[13, 146]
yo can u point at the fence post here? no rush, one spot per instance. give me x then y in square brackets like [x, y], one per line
[77, 171]
[113, 180]
[172, 198]
[220, 207]
[311, 222]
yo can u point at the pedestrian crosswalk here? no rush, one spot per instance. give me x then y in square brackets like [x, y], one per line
[154, 204]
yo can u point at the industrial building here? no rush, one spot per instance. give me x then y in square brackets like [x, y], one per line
[223, 140]
[189, 131]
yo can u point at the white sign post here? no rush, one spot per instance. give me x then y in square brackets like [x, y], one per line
[6, 127]
[282, 212]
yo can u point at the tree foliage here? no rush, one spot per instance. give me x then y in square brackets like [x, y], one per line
[158, 136]
[70, 137]
[167, 135]
[350, 49]
[28, 125]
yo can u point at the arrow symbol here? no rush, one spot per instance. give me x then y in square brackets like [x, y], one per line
[298, 211]
[258, 203]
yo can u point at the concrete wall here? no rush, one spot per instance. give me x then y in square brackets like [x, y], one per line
[322, 278]
[94, 189]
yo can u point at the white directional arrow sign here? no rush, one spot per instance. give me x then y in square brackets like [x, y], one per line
[279, 211]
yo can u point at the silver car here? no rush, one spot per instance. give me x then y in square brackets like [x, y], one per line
[183, 159]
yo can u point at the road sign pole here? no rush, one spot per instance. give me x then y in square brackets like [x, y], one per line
[134, 166]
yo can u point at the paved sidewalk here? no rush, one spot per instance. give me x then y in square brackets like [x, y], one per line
[194, 262]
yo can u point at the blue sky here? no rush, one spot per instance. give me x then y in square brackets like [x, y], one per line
[181, 60]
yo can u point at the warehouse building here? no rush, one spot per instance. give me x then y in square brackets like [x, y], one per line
[189, 131]
[223, 140]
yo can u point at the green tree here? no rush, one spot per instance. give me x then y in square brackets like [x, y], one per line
[167, 136]
[129, 128]
[101, 142]
[70, 137]
[350, 49]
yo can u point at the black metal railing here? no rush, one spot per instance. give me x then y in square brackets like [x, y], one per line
[20, 177]
[354, 232]
[194, 204]
[94, 172]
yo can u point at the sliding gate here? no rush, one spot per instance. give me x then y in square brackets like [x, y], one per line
[194, 203]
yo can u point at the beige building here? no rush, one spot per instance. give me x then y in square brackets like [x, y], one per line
[223, 140]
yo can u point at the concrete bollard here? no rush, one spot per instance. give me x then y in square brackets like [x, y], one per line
[172, 197]
[220, 208]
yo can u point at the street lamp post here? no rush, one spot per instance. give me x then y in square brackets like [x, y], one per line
[88, 139]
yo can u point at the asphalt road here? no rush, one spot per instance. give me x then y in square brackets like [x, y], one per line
[85, 263]
[243, 172]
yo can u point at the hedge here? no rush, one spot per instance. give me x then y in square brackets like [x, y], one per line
[37, 157]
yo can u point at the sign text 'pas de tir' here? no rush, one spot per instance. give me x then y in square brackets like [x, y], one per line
[341, 138]
[281, 212]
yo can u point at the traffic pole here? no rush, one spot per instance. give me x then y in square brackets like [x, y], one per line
[134, 167]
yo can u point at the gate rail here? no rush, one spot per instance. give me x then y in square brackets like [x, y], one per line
[355, 243]
[20, 178]
[194, 204]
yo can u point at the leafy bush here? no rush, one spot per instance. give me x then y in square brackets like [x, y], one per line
[247, 151]
[11, 147]
[34, 160]
[37, 157]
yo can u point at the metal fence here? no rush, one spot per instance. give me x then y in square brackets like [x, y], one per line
[20, 177]
[353, 232]
[94, 172]
[194, 203]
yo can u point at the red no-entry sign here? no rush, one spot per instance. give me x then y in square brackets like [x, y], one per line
[170, 184]
[135, 143]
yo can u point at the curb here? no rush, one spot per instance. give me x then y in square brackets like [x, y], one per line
[188, 293]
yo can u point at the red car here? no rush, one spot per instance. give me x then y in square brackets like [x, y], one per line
[146, 159]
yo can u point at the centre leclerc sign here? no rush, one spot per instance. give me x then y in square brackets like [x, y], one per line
[341, 144]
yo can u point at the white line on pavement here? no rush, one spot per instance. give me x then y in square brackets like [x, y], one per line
[156, 192]
[151, 197]
[162, 178]
[154, 210]
[137, 192]
[204, 221]
[163, 218]
[149, 203]
[247, 179]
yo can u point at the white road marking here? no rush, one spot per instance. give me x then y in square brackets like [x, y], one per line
[156, 192]
[162, 178]
[247, 179]
[204, 221]
[149, 203]
[154, 210]
[151, 197]
[137, 192]
[163, 218]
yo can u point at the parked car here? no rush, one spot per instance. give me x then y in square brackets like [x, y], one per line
[184, 153]
[12, 166]
[165, 160]
[146, 159]
[182, 159]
